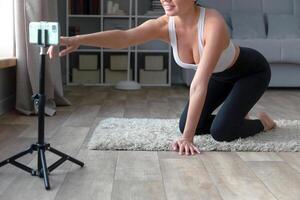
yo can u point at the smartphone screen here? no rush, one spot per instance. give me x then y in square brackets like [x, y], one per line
[52, 28]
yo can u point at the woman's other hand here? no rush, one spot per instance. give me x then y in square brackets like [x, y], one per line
[185, 146]
[71, 44]
[51, 52]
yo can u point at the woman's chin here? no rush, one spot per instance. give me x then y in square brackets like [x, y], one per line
[170, 13]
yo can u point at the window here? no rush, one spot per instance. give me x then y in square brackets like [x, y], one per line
[6, 28]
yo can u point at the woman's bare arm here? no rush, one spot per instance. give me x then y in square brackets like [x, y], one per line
[149, 30]
[216, 41]
[153, 29]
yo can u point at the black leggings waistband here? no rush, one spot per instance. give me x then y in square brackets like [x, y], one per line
[249, 61]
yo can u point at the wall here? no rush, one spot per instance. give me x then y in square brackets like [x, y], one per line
[7, 89]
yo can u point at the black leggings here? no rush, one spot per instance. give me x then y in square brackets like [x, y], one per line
[238, 88]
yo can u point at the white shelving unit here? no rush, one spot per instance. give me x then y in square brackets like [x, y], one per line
[89, 23]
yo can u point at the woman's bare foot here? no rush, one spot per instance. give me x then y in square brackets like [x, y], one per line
[266, 120]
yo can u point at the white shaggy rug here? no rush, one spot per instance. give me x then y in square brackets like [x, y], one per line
[158, 134]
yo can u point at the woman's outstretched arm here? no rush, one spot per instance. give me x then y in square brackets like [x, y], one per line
[116, 39]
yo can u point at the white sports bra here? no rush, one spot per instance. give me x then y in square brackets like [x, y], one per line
[225, 59]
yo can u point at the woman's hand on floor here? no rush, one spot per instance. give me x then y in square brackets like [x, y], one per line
[185, 146]
[70, 43]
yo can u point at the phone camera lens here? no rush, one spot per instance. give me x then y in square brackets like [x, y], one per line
[53, 28]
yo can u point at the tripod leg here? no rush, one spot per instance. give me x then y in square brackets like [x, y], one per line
[15, 157]
[44, 168]
[66, 156]
[12, 160]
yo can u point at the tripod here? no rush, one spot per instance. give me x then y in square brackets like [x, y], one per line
[39, 99]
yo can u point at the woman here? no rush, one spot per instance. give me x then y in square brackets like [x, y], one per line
[225, 73]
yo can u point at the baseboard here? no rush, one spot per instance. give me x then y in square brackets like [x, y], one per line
[7, 104]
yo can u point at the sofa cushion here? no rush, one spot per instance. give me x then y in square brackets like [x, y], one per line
[297, 10]
[227, 19]
[246, 5]
[247, 25]
[283, 26]
[222, 6]
[290, 49]
[270, 48]
[278, 6]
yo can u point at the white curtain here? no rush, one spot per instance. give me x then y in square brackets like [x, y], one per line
[28, 58]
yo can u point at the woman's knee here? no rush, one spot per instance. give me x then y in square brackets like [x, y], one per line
[266, 73]
[221, 133]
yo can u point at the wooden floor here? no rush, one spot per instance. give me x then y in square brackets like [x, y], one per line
[122, 175]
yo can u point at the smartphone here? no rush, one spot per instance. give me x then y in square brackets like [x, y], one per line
[52, 28]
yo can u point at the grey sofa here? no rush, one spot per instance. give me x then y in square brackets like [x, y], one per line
[270, 26]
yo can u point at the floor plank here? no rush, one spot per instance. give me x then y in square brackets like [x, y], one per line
[9, 173]
[138, 165]
[112, 108]
[137, 189]
[52, 125]
[279, 177]
[292, 158]
[94, 181]
[187, 179]
[83, 116]
[259, 156]
[233, 178]
[138, 176]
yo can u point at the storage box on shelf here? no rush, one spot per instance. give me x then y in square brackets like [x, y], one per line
[86, 76]
[88, 61]
[150, 63]
[116, 65]
[153, 68]
[85, 67]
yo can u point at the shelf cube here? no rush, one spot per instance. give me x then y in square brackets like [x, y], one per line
[88, 62]
[118, 62]
[154, 62]
[153, 77]
[84, 76]
[112, 77]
